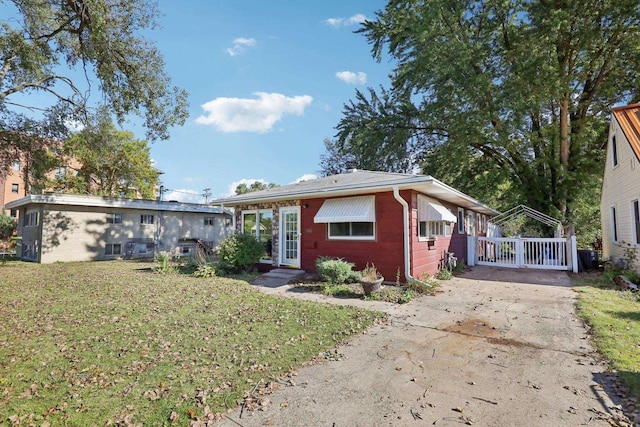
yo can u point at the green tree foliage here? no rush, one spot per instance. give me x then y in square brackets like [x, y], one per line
[46, 45]
[8, 226]
[255, 186]
[524, 87]
[112, 163]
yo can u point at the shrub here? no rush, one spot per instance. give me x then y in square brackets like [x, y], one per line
[240, 251]
[444, 274]
[164, 262]
[7, 226]
[205, 271]
[336, 270]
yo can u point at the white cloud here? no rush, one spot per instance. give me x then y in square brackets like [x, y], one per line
[239, 46]
[74, 125]
[245, 181]
[306, 177]
[183, 195]
[352, 78]
[336, 23]
[251, 115]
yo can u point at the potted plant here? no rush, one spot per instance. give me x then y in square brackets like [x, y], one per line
[371, 279]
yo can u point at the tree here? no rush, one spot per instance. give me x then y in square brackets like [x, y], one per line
[254, 186]
[112, 163]
[519, 86]
[48, 44]
[8, 226]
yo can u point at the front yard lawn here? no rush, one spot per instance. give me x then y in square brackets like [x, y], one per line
[112, 342]
[615, 318]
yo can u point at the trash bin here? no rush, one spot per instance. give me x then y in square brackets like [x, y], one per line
[588, 258]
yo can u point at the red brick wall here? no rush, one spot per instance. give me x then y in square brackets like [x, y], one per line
[386, 251]
[427, 257]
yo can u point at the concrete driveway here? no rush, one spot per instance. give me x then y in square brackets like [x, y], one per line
[498, 347]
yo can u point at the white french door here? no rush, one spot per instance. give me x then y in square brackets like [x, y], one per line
[290, 236]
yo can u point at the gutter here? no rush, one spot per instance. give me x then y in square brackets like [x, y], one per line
[407, 249]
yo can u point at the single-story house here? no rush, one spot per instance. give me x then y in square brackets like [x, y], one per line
[407, 225]
[65, 227]
[620, 199]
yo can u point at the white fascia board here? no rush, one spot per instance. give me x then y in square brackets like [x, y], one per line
[104, 202]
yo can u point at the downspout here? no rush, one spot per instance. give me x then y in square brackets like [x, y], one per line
[407, 248]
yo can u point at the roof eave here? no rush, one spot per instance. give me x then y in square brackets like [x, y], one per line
[420, 183]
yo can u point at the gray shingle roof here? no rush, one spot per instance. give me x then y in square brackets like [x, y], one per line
[358, 182]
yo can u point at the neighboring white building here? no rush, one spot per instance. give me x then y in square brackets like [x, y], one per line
[64, 227]
[620, 201]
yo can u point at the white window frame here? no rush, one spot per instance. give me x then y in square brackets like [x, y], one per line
[462, 219]
[330, 236]
[144, 219]
[614, 151]
[109, 249]
[209, 220]
[16, 187]
[114, 218]
[16, 166]
[613, 219]
[635, 208]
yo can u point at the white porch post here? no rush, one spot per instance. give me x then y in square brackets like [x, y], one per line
[574, 254]
[471, 250]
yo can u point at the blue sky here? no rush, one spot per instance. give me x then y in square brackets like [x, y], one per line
[267, 82]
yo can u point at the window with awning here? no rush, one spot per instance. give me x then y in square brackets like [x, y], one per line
[348, 217]
[433, 219]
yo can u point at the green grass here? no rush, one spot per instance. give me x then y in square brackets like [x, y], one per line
[615, 318]
[93, 343]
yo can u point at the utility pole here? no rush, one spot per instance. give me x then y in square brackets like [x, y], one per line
[206, 193]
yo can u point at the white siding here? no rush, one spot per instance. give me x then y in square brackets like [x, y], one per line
[621, 185]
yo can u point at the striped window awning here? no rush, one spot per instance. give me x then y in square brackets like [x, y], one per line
[348, 209]
[431, 210]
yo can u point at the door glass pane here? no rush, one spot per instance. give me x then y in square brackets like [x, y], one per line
[291, 236]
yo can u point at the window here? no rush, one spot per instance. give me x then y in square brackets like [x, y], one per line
[349, 217]
[15, 188]
[351, 229]
[433, 219]
[13, 213]
[60, 173]
[614, 224]
[30, 250]
[31, 219]
[113, 249]
[460, 221]
[471, 229]
[185, 250]
[259, 223]
[635, 217]
[114, 218]
[146, 219]
[144, 248]
[16, 166]
[209, 220]
[614, 151]
[429, 229]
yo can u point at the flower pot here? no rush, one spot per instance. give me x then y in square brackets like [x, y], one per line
[370, 286]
